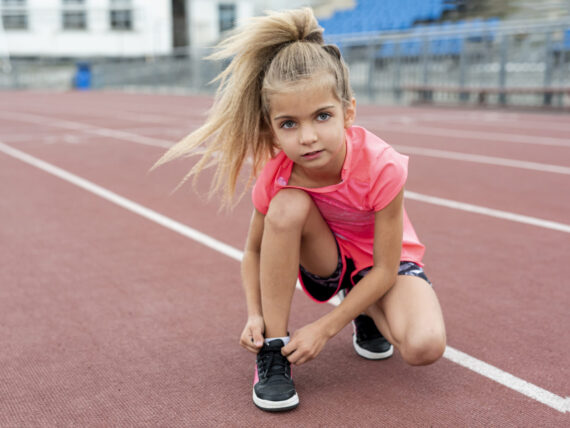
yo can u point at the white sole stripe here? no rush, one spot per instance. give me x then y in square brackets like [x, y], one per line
[516, 384]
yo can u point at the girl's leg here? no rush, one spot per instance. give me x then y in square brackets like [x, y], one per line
[409, 316]
[294, 232]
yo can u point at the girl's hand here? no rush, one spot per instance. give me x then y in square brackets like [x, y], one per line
[252, 334]
[305, 344]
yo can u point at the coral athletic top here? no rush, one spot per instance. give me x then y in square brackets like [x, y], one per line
[372, 175]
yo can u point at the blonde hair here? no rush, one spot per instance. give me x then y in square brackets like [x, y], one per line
[268, 54]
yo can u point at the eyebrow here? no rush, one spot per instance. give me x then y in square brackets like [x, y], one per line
[286, 116]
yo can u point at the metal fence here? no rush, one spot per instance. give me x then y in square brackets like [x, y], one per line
[523, 63]
[512, 63]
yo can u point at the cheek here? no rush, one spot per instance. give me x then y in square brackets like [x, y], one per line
[335, 135]
[284, 140]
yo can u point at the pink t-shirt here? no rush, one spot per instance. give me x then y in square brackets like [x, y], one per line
[372, 175]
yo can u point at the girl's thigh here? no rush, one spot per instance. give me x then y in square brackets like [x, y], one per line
[294, 211]
[413, 317]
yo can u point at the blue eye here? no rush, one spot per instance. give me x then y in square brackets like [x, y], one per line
[323, 116]
[288, 124]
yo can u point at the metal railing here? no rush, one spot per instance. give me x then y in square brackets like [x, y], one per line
[523, 63]
[512, 63]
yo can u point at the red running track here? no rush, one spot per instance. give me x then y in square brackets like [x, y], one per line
[110, 319]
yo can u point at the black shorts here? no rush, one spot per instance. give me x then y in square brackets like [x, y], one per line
[344, 278]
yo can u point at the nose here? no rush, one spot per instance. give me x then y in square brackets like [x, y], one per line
[308, 135]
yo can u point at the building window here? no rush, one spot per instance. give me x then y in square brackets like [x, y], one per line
[227, 14]
[14, 15]
[121, 15]
[74, 15]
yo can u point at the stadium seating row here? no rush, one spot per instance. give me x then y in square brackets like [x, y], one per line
[372, 16]
[375, 16]
[409, 17]
[433, 38]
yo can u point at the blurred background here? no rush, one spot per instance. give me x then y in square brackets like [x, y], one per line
[472, 52]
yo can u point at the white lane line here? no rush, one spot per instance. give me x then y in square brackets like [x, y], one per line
[476, 119]
[476, 209]
[470, 134]
[127, 136]
[516, 384]
[123, 202]
[506, 379]
[488, 160]
[158, 142]
[82, 127]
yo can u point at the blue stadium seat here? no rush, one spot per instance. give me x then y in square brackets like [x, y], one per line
[373, 16]
[376, 16]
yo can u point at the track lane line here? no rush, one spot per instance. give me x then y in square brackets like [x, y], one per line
[162, 143]
[489, 212]
[472, 135]
[480, 367]
[482, 159]
[473, 119]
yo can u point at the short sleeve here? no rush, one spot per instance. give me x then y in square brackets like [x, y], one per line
[266, 185]
[260, 195]
[388, 176]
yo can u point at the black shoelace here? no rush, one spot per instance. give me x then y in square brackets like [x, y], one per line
[273, 363]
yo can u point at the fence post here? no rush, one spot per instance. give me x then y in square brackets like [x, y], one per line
[427, 95]
[371, 66]
[463, 95]
[548, 66]
[504, 52]
[195, 62]
[397, 75]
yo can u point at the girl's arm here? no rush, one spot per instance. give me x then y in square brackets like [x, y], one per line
[388, 230]
[252, 335]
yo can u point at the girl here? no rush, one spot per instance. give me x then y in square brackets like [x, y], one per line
[328, 203]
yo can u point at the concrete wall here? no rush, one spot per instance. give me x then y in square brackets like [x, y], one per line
[151, 33]
[152, 27]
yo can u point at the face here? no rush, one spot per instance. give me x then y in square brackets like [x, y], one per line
[309, 123]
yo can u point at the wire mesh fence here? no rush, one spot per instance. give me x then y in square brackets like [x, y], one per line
[511, 63]
[517, 63]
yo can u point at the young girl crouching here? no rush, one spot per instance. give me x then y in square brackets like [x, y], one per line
[328, 206]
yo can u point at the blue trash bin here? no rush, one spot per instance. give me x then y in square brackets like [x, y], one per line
[82, 77]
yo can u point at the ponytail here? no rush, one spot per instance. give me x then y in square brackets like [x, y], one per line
[266, 53]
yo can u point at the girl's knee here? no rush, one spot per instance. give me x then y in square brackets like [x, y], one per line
[288, 210]
[423, 348]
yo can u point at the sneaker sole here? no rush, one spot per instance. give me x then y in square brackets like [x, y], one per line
[371, 355]
[276, 406]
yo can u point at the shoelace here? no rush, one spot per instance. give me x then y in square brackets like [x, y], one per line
[274, 363]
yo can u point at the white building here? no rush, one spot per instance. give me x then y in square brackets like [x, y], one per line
[125, 28]
[83, 28]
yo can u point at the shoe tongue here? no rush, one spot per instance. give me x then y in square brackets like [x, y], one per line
[278, 363]
[275, 344]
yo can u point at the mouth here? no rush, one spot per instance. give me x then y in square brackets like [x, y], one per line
[311, 154]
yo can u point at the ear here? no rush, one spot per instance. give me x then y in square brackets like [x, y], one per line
[350, 114]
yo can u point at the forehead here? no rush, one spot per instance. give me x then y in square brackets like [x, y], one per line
[303, 98]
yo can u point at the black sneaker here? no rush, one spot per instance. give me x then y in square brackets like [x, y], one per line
[368, 342]
[273, 387]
